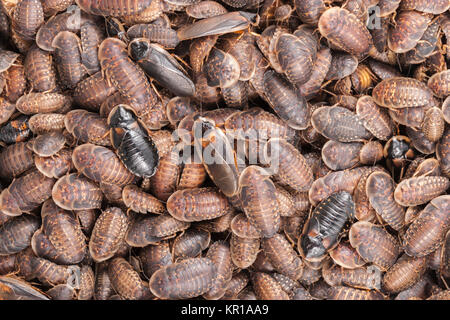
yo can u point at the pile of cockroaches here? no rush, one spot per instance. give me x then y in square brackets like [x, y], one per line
[345, 103]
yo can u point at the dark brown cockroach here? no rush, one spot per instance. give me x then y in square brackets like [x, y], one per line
[26, 193]
[161, 35]
[285, 202]
[266, 43]
[68, 58]
[408, 29]
[87, 127]
[404, 273]
[287, 284]
[220, 254]
[318, 73]
[41, 102]
[15, 234]
[286, 101]
[374, 118]
[388, 7]
[102, 287]
[47, 144]
[15, 159]
[90, 38]
[64, 232]
[236, 96]
[345, 180]
[51, 7]
[7, 264]
[363, 209]
[164, 182]
[419, 190]
[241, 47]
[179, 107]
[199, 51]
[382, 70]
[145, 230]
[87, 220]
[262, 263]
[371, 153]
[350, 36]
[155, 257]
[205, 9]
[13, 288]
[361, 278]
[154, 12]
[310, 276]
[110, 103]
[426, 233]
[40, 70]
[346, 256]
[92, 91]
[309, 11]
[126, 281]
[244, 251]
[66, 21]
[87, 282]
[288, 159]
[72, 192]
[217, 225]
[108, 234]
[347, 293]
[434, 7]
[420, 142]
[112, 8]
[295, 57]
[237, 283]
[46, 122]
[198, 204]
[28, 16]
[134, 145]
[8, 59]
[258, 196]
[322, 229]
[6, 110]
[416, 291]
[339, 155]
[446, 110]
[205, 94]
[223, 170]
[267, 288]
[55, 166]
[425, 46]
[374, 244]
[21, 44]
[15, 81]
[139, 201]
[411, 117]
[183, 280]
[282, 256]
[401, 92]
[255, 123]
[190, 244]
[380, 191]
[221, 69]
[101, 165]
[433, 124]
[235, 21]
[443, 153]
[338, 123]
[161, 66]
[131, 82]
[440, 84]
